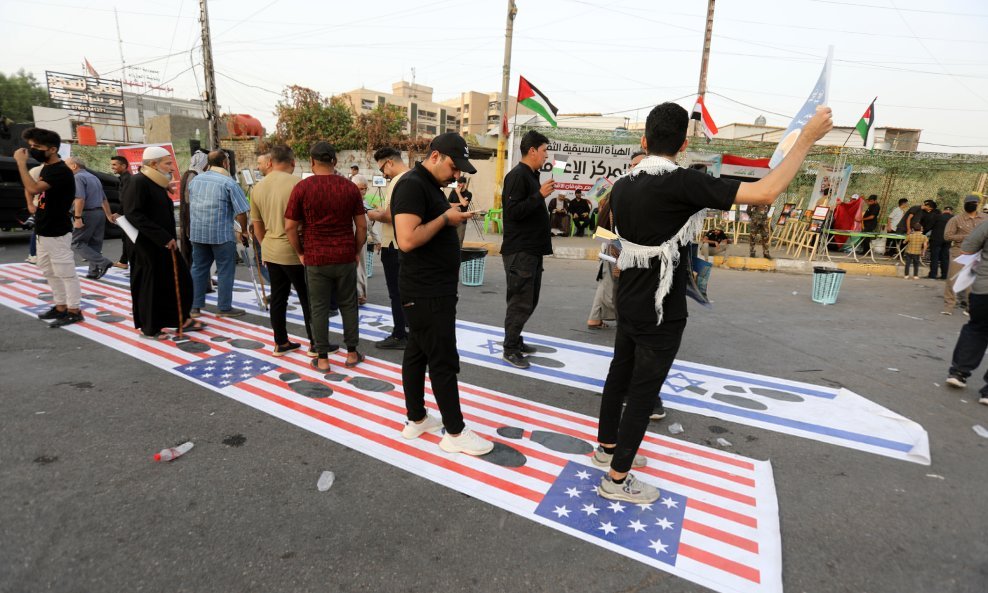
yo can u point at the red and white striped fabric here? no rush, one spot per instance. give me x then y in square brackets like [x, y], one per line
[729, 538]
[707, 123]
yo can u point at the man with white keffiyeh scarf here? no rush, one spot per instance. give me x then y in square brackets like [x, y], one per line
[658, 210]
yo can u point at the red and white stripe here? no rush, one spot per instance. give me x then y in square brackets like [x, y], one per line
[708, 125]
[730, 539]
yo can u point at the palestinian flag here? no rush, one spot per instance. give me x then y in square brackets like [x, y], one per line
[531, 97]
[559, 164]
[867, 120]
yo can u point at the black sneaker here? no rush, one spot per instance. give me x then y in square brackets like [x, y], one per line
[52, 313]
[516, 360]
[332, 349]
[658, 413]
[333, 313]
[526, 349]
[280, 350]
[102, 270]
[68, 319]
[392, 343]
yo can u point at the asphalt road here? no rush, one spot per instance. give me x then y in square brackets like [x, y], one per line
[83, 509]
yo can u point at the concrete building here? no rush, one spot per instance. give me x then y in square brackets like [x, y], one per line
[479, 113]
[425, 117]
[139, 110]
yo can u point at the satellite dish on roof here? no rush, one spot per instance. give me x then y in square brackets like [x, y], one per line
[760, 120]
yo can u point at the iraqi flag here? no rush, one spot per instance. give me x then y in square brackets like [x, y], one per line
[89, 68]
[866, 122]
[700, 113]
[531, 97]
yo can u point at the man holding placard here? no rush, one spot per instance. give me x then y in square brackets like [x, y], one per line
[659, 209]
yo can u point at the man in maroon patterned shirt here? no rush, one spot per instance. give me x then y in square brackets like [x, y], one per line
[330, 211]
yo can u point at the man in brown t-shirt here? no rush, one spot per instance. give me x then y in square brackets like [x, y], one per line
[269, 199]
[329, 209]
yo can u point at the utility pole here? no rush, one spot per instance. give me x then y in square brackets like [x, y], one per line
[502, 140]
[123, 75]
[212, 109]
[706, 58]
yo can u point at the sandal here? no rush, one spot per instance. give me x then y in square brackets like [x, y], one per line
[158, 336]
[194, 326]
[350, 365]
[315, 365]
[600, 325]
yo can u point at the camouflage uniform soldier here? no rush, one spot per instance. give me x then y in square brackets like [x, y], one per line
[758, 229]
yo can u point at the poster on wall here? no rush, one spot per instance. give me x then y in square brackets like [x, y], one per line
[584, 163]
[133, 154]
[831, 185]
[708, 163]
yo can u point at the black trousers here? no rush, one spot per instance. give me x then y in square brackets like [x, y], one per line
[973, 341]
[283, 278]
[639, 368]
[523, 272]
[939, 258]
[432, 346]
[127, 246]
[391, 260]
[581, 224]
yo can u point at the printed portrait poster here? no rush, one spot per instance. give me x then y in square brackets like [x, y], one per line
[134, 154]
[831, 185]
[818, 218]
[787, 209]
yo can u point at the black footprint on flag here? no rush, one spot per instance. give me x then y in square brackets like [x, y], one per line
[304, 387]
[39, 281]
[45, 296]
[505, 456]
[93, 297]
[186, 344]
[362, 383]
[6, 281]
[748, 402]
[544, 361]
[246, 344]
[220, 339]
[554, 441]
[108, 317]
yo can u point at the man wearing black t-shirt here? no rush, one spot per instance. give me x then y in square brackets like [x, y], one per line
[461, 197]
[658, 209]
[425, 230]
[869, 221]
[53, 224]
[526, 240]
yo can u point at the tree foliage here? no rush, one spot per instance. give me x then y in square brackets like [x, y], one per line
[18, 93]
[306, 117]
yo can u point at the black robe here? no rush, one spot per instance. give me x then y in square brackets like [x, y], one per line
[148, 207]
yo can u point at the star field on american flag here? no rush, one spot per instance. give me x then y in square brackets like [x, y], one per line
[225, 369]
[649, 529]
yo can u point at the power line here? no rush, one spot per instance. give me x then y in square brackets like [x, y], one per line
[248, 85]
[981, 15]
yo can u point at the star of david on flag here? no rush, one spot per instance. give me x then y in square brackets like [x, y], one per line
[649, 529]
[225, 369]
[676, 382]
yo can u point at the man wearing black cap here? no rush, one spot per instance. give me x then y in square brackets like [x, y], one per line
[527, 239]
[425, 229]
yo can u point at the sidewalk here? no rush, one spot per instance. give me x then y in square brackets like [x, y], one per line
[736, 259]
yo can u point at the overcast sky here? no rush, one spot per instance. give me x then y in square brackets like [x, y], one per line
[926, 62]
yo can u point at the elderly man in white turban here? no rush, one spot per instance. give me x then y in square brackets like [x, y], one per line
[155, 269]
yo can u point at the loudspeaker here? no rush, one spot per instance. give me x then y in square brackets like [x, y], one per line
[194, 145]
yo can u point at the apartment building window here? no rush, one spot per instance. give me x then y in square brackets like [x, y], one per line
[367, 103]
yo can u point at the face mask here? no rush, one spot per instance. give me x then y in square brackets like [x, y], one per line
[970, 206]
[38, 154]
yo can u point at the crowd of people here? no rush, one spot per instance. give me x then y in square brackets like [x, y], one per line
[311, 234]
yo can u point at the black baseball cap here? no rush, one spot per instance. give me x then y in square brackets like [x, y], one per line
[322, 151]
[454, 146]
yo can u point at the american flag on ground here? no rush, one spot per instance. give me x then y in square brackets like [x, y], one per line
[716, 523]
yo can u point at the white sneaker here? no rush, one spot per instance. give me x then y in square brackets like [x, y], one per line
[466, 442]
[632, 490]
[983, 400]
[414, 430]
[31, 259]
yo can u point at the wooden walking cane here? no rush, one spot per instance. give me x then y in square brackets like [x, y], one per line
[178, 294]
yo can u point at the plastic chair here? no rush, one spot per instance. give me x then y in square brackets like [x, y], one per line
[493, 218]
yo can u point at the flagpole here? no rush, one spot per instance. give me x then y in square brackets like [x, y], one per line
[505, 80]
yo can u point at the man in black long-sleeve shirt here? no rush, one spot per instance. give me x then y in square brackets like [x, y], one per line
[526, 241]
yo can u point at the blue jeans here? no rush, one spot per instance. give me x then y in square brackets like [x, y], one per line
[203, 256]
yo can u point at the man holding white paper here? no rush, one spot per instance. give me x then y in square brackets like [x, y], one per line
[956, 232]
[973, 340]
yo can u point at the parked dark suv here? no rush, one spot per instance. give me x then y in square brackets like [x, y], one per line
[13, 209]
